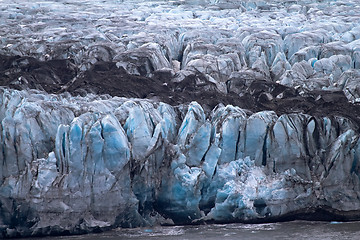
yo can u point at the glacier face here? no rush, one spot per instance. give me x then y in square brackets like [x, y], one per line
[77, 164]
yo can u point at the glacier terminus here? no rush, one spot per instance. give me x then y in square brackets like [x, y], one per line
[74, 164]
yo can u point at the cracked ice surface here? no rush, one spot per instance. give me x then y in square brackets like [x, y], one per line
[74, 164]
[216, 38]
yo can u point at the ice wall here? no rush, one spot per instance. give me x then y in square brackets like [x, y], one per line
[80, 164]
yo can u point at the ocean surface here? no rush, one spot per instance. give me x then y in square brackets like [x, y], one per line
[286, 230]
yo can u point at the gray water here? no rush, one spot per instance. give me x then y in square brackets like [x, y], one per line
[287, 230]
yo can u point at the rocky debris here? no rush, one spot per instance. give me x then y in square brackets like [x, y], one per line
[242, 90]
[26, 72]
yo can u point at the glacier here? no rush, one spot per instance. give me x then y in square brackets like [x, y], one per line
[130, 113]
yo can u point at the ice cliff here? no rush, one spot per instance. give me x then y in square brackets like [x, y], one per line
[77, 164]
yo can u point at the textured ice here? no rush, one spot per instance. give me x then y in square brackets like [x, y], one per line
[79, 163]
[279, 66]
[216, 38]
